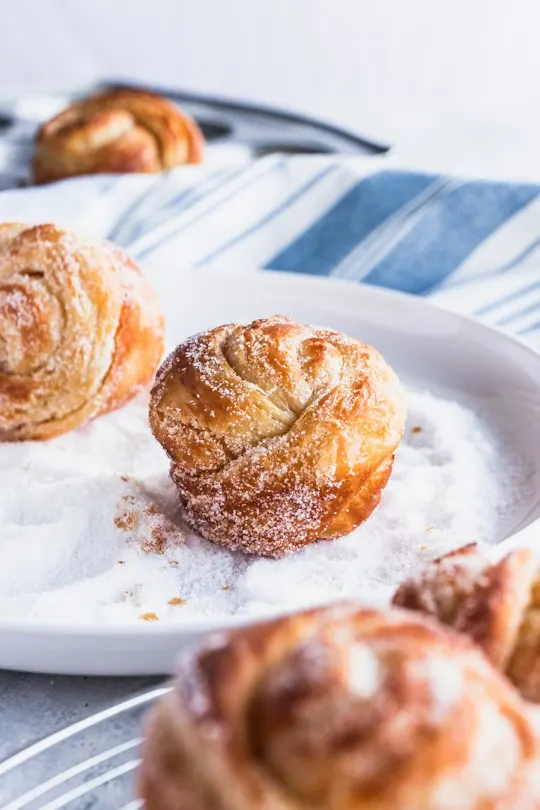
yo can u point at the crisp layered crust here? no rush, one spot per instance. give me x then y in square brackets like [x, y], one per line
[81, 331]
[118, 131]
[279, 434]
[338, 709]
[496, 604]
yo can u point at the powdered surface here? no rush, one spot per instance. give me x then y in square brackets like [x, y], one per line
[91, 531]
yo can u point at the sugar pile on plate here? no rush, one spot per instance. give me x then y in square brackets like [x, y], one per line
[91, 531]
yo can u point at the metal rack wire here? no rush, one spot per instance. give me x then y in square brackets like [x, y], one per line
[88, 765]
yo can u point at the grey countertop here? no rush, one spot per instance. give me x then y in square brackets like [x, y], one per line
[34, 706]
[93, 768]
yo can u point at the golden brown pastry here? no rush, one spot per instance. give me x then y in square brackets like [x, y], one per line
[340, 709]
[496, 604]
[279, 434]
[114, 132]
[81, 330]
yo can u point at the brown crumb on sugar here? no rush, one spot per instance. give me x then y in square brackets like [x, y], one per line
[151, 509]
[128, 498]
[416, 429]
[430, 529]
[125, 478]
[149, 617]
[127, 521]
[174, 563]
[120, 562]
[155, 542]
[176, 600]
[226, 588]
[162, 533]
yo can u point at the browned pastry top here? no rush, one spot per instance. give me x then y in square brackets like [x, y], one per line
[114, 132]
[81, 330]
[497, 604]
[279, 434]
[340, 709]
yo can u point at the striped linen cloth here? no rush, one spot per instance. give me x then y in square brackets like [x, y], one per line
[471, 245]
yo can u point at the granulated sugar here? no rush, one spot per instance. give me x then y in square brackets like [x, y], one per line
[91, 529]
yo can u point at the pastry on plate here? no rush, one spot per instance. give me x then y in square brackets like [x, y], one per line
[114, 132]
[81, 330]
[279, 434]
[497, 604]
[340, 708]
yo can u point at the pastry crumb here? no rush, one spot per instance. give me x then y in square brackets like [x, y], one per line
[163, 533]
[176, 600]
[149, 617]
[120, 562]
[226, 588]
[126, 521]
[416, 429]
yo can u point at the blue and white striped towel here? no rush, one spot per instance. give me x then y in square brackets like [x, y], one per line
[471, 245]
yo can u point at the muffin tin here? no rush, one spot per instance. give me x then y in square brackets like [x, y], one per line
[233, 130]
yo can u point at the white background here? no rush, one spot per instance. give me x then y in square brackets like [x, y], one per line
[454, 83]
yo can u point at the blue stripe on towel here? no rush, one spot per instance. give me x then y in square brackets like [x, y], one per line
[271, 215]
[520, 257]
[515, 316]
[252, 178]
[184, 200]
[448, 232]
[533, 327]
[128, 214]
[506, 299]
[368, 204]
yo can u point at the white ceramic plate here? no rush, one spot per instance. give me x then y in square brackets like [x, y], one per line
[443, 352]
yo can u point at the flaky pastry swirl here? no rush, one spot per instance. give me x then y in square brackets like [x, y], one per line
[279, 434]
[81, 330]
[497, 604]
[340, 709]
[114, 132]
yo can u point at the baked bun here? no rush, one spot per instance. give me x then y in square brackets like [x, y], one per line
[116, 132]
[279, 434]
[340, 709]
[81, 330]
[497, 604]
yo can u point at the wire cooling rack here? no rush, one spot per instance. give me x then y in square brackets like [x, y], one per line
[89, 765]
